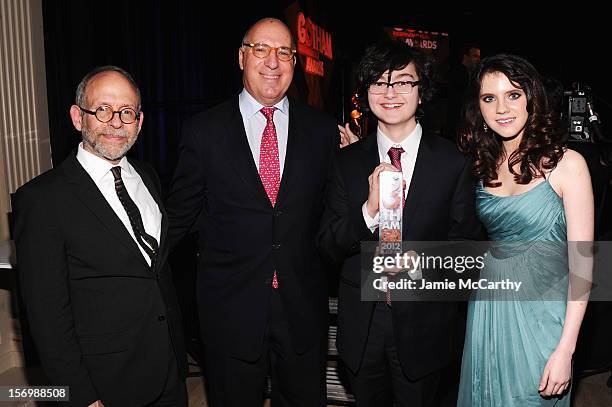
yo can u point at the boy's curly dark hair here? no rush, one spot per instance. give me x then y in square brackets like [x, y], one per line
[393, 55]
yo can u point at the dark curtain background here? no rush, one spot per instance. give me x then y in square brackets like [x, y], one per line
[183, 59]
[183, 55]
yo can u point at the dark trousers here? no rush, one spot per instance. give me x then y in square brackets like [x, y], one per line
[380, 381]
[298, 380]
[174, 393]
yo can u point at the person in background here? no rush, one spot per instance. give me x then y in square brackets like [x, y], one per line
[459, 76]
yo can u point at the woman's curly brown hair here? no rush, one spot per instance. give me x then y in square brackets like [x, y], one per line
[543, 142]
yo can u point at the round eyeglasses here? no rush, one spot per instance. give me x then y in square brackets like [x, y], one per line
[105, 114]
[263, 50]
[404, 87]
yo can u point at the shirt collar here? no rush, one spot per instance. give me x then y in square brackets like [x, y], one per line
[250, 107]
[98, 167]
[410, 144]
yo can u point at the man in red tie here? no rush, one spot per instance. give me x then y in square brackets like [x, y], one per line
[250, 179]
[396, 352]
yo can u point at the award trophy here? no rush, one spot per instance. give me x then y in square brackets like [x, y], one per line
[390, 211]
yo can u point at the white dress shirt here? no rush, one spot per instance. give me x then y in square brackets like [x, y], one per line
[255, 123]
[99, 171]
[410, 144]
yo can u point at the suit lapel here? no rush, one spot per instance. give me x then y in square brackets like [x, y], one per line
[420, 182]
[86, 191]
[240, 155]
[295, 147]
[371, 157]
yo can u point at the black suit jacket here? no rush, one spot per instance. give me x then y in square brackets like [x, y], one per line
[439, 207]
[242, 238]
[101, 318]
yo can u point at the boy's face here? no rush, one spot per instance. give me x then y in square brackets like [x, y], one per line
[393, 109]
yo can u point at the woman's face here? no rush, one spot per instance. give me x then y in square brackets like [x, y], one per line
[503, 106]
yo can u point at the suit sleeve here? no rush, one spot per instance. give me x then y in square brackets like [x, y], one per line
[185, 200]
[342, 227]
[464, 222]
[44, 279]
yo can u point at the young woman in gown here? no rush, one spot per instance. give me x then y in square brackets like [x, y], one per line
[534, 198]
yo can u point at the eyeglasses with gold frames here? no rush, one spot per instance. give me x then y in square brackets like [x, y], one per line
[261, 50]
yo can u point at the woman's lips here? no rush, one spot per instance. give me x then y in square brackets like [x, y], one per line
[505, 121]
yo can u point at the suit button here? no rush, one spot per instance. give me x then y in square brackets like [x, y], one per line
[276, 246]
[161, 318]
[278, 213]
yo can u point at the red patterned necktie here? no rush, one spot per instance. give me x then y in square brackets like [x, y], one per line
[395, 154]
[269, 164]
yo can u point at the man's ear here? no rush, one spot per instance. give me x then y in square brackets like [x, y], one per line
[77, 117]
[240, 58]
[140, 121]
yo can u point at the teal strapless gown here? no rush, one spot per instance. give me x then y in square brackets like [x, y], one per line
[510, 335]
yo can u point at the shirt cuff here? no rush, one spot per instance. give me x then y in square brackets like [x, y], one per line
[371, 223]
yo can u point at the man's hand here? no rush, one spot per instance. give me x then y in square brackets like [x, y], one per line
[373, 195]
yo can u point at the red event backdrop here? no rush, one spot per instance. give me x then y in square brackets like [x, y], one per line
[434, 44]
[315, 59]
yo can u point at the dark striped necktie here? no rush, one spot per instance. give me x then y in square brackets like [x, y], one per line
[146, 241]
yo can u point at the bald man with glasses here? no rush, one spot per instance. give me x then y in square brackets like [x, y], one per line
[250, 180]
